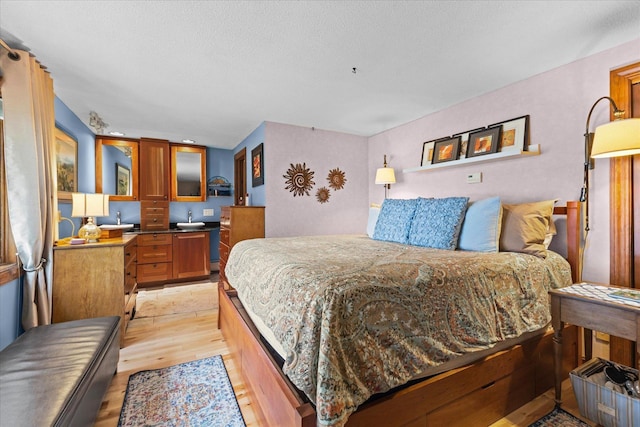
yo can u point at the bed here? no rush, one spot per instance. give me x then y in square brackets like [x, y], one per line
[346, 330]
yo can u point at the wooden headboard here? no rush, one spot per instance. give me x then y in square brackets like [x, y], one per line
[573, 211]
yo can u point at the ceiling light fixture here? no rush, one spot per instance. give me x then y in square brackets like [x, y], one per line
[116, 133]
[188, 141]
[96, 122]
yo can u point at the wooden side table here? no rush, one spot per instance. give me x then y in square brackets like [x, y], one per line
[591, 306]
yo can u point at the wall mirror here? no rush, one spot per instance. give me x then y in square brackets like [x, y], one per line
[188, 173]
[117, 168]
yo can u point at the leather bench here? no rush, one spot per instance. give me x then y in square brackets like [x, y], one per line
[58, 374]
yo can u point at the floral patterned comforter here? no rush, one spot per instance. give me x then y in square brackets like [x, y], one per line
[358, 316]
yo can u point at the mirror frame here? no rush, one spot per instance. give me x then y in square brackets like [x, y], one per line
[198, 149]
[120, 142]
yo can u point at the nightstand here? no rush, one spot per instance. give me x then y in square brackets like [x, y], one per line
[591, 306]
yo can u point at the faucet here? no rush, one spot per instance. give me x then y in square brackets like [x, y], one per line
[189, 216]
[118, 218]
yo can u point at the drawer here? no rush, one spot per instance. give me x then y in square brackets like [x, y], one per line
[153, 254]
[156, 272]
[154, 239]
[130, 278]
[224, 235]
[225, 216]
[129, 307]
[224, 252]
[486, 404]
[129, 254]
[154, 223]
[147, 205]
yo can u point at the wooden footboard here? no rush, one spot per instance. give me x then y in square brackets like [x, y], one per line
[477, 394]
[278, 403]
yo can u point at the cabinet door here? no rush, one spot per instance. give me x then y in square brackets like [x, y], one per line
[154, 169]
[190, 254]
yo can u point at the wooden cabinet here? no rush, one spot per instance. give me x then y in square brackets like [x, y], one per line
[155, 256]
[167, 257]
[154, 215]
[154, 169]
[95, 280]
[191, 255]
[238, 223]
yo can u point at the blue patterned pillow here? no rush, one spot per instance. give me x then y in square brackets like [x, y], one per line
[437, 222]
[394, 220]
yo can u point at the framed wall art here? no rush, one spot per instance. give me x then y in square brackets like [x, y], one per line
[464, 141]
[257, 166]
[484, 142]
[446, 150]
[66, 164]
[427, 151]
[123, 180]
[514, 134]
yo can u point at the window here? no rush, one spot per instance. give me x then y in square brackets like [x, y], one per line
[8, 264]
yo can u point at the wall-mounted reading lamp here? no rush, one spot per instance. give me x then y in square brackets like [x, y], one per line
[621, 137]
[386, 176]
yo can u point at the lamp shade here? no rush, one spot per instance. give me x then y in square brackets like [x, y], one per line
[617, 138]
[89, 204]
[385, 176]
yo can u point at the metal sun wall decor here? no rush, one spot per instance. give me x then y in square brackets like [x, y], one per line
[336, 179]
[323, 194]
[299, 179]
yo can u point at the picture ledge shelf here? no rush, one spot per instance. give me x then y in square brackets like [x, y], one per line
[534, 150]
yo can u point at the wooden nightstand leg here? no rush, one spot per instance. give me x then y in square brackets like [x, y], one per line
[588, 344]
[557, 346]
[557, 360]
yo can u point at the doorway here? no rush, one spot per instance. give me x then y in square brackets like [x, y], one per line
[240, 177]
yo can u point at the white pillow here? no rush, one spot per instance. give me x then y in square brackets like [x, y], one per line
[374, 211]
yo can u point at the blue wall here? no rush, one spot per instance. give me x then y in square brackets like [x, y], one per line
[258, 195]
[10, 304]
[219, 163]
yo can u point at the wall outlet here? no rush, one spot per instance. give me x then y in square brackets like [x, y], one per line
[474, 178]
[207, 212]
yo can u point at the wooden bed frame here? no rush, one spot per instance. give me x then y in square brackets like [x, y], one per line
[477, 394]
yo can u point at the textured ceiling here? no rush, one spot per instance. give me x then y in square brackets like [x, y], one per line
[212, 71]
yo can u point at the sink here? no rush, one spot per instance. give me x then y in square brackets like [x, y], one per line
[190, 225]
[116, 226]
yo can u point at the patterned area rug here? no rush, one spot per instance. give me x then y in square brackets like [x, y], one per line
[196, 393]
[176, 299]
[559, 418]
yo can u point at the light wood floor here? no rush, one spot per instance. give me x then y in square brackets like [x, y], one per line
[157, 342]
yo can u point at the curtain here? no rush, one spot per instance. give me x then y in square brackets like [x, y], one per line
[29, 155]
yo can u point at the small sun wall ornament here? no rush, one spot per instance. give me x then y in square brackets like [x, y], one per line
[323, 194]
[336, 179]
[299, 179]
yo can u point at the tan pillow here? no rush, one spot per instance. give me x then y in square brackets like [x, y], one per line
[525, 226]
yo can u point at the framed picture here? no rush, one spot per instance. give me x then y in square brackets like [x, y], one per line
[123, 180]
[427, 151]
[515, 134]
[483, 142]
[464, 141]
[446, 150]
[257, 166]
[66, 164]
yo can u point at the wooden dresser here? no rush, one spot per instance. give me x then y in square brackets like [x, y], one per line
[155, 258]
[238, 223]
[95, 280]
